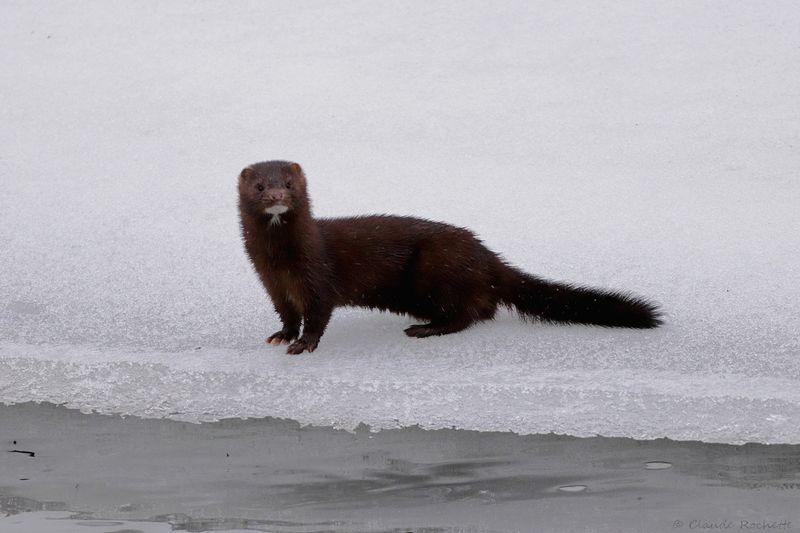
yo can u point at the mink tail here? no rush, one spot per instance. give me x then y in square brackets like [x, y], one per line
[559, 302]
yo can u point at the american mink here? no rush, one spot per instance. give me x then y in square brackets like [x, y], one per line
[438, 273]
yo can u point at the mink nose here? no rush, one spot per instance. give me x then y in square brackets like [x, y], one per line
[276, 196]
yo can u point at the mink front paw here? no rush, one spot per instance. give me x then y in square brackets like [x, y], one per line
[281, 337]
[302, 344]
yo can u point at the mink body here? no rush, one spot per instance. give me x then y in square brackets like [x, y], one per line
[438, 273]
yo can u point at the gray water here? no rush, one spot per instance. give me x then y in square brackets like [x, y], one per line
[103, 472]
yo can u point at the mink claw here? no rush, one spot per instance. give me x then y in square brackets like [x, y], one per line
[279, 337]
[418, 330]
[297, 347]
[301, 345]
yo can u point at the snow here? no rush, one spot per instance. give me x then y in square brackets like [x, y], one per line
[652, 148]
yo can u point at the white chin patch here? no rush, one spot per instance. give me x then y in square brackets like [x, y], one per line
[276, 210]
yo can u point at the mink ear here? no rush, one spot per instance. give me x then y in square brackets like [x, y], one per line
[294, 169]
[247, 173]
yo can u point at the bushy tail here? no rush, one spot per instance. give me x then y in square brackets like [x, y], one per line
[558, 302]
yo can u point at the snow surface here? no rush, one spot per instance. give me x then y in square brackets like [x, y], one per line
[652, 147]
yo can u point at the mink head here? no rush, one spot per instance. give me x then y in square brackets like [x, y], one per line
[273, 188]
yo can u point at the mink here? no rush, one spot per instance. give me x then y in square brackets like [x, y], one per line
[442, 275]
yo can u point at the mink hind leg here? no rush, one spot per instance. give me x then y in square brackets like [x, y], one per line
[453, 316]
[452, 286]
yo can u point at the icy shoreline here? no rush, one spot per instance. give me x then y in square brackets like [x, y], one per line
[208, 385]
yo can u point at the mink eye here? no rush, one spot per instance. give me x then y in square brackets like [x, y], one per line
[289, 184]
[260, 187]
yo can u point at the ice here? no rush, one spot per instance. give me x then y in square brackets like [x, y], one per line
[652, 148]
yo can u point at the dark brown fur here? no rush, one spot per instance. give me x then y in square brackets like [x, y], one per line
[438, 273]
